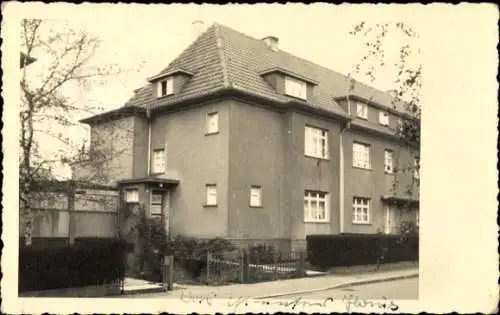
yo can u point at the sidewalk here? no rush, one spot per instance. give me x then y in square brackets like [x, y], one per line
[282, 287]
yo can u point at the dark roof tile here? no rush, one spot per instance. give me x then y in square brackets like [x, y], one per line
[222, 57]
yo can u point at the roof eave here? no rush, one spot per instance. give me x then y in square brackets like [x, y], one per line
[169, 73]
[289, 73]
[121, 112]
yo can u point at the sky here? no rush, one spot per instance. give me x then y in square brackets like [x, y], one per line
[141, 40]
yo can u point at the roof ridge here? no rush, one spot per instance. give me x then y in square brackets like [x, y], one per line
[220, 49]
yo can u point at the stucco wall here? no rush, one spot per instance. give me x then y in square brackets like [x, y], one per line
[256, 158]
[307, 173]
[373, 183]
[195, 159]
[113, 141]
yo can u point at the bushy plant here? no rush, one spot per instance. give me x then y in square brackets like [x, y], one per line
[261, 254]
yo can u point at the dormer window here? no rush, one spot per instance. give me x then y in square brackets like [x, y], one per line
[165, 87]
[362, 110]
[383, 118]
[295, 87]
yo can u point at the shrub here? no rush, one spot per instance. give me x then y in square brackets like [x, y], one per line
[82, 264]
[261, 254]
[189, 253]
[360, 249]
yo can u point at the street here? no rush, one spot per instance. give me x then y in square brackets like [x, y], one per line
[405, 289]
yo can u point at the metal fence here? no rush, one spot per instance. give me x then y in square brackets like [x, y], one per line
[237, 267]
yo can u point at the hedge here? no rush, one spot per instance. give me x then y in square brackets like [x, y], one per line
[87, 262]
[360, 249]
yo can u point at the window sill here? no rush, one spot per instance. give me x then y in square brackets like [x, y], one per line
[317, 221]
[362, 223]
[317, 157]
[163, 96]
[211, 133]
[157, 173]
[362, 168]
[209, 206]
[362, 118]
[389, 173]
[255, 206]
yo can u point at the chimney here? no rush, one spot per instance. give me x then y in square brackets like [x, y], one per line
[271, 42]
[198, 27]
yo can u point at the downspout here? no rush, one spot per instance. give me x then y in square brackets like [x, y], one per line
[341, 165]
[148, 116]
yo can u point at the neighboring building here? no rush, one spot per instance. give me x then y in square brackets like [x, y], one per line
[238, 139]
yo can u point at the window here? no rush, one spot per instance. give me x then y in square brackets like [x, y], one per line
[416, 168]
[361, 155]
[316, 142]
[296, 88]
[255, 196]
[156, 203]
[362, 110]
[211, 195]
[212, 123]
[165, 87]
[383, 118]
[388, 162]
[132, 195]
[159, 161]
[315, 206]
[361, 210]
[417, 218]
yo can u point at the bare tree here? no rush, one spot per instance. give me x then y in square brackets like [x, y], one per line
[406, 90]
[65, 55]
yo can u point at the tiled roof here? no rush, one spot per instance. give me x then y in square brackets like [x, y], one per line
[222, 57]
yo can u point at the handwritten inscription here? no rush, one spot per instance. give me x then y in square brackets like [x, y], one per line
[350, 302]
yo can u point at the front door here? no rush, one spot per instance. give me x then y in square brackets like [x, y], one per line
[389, 220]
[160, 200]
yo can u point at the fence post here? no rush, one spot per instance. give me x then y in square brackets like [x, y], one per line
[168, 272]
[302, 264]
[275, 265]
[244, 266]
[209, 259]
[71, 197]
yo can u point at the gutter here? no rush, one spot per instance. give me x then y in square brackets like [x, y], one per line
[341, 166]
[148, 116]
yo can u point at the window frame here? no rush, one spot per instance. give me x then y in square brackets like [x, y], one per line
[151, 202]
[169, 83]
[259, 189]
[126, 194]
[364, 106]
[386, 119]
[317, 197]
[208, 131]
[416, 169]
[316, 136]
[207, 188]
[356, 206]
[164, 161]
[293, 84]
[369, 162]
[386, 170]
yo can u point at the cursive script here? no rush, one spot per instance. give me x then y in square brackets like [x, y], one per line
[353, 301]
[350, 301]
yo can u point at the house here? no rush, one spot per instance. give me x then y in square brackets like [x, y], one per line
[238, 139]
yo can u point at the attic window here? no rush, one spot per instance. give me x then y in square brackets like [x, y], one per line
[295, 87]
[165, 87]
